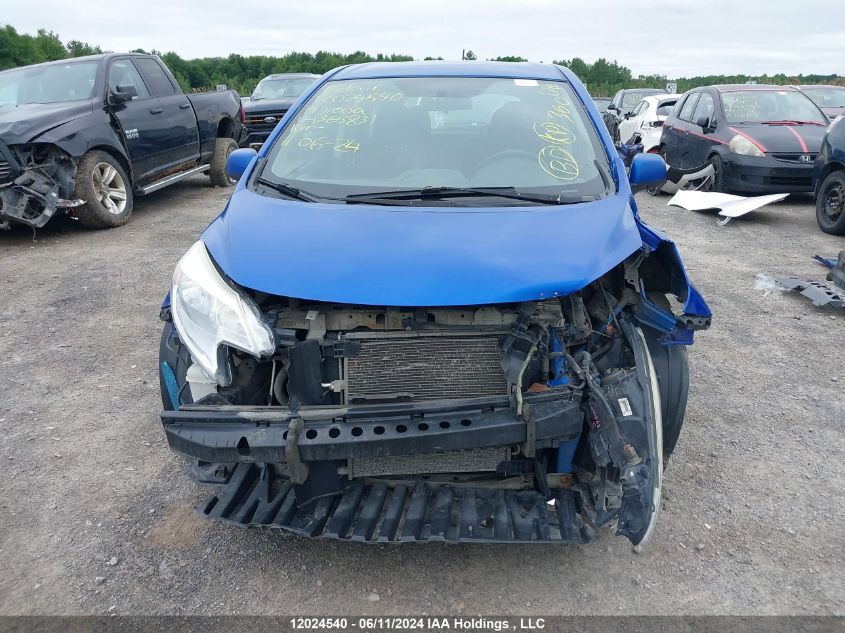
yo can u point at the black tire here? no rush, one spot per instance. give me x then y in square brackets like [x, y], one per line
[830, 204]
[718, 182]
[101, 181]
[222, 149]
[173, 362]
[672, 366]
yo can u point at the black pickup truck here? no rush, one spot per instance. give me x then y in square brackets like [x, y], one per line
[84, 136]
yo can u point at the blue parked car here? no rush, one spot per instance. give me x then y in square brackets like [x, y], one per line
[430, 311]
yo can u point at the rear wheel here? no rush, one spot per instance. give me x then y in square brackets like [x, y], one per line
[103, 184]
[830, 204]
[656, 190]
[217, 172]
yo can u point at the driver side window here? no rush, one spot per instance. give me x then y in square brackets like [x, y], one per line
[124, 73]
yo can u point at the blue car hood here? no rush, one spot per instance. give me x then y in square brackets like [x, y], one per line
[401, 256]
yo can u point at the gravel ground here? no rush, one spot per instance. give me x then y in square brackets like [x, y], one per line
[96, 514]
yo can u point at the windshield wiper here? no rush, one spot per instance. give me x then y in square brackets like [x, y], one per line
[790, 122]
[443, 193]
[287, 190]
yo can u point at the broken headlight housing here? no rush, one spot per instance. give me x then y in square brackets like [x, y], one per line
[744, 147]
[210, 314]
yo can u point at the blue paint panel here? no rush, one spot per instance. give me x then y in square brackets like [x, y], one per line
[399, 256]
[170, 383]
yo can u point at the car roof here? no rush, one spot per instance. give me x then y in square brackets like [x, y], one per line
[736, 87]
[661, 98]
[507, 70]
[86, 58]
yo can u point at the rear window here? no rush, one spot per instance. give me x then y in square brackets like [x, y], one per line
[664, 108]
[155, 77]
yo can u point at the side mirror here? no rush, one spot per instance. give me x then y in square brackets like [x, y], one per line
[704, 123]
[238, 161]
[612, 108]
[122, 94]
[647, 169]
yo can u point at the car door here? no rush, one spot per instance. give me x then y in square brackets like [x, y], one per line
[141, 118]
[183, 141]
[681, 127]
[702, 130]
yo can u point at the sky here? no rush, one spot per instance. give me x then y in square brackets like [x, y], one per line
[676, 38]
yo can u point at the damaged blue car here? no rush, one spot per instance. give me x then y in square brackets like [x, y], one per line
[431, 312]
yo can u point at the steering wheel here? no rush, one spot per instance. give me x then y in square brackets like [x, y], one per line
[504, 154]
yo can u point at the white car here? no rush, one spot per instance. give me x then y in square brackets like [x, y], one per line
[645, 122]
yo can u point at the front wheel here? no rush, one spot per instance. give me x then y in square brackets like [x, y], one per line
[106, 190]
[715, 183]
[671, 364]
[830, 204]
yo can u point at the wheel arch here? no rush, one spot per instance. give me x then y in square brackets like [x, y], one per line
[119, 156]
[226, 127]
[829, 168]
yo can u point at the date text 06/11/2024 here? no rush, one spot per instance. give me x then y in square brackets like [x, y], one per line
[389, 624]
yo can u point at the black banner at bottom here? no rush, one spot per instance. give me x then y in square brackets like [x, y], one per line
[422, 624]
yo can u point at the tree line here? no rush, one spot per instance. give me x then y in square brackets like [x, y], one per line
[242, 72]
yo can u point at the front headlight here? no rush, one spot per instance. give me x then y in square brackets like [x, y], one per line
[210, 314]
[741, 145]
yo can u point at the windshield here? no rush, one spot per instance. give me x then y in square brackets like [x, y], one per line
[53, 83]
[630, 99]
[289, 88]
[827, 97]
[764, 106]
[367, 135]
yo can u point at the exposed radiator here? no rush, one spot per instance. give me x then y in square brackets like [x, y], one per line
[424, 367]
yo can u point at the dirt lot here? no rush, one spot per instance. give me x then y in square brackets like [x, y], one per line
[96, 514]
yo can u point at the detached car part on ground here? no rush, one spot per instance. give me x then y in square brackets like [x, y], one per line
[430, 311]
[85, 136]
[757, 138]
